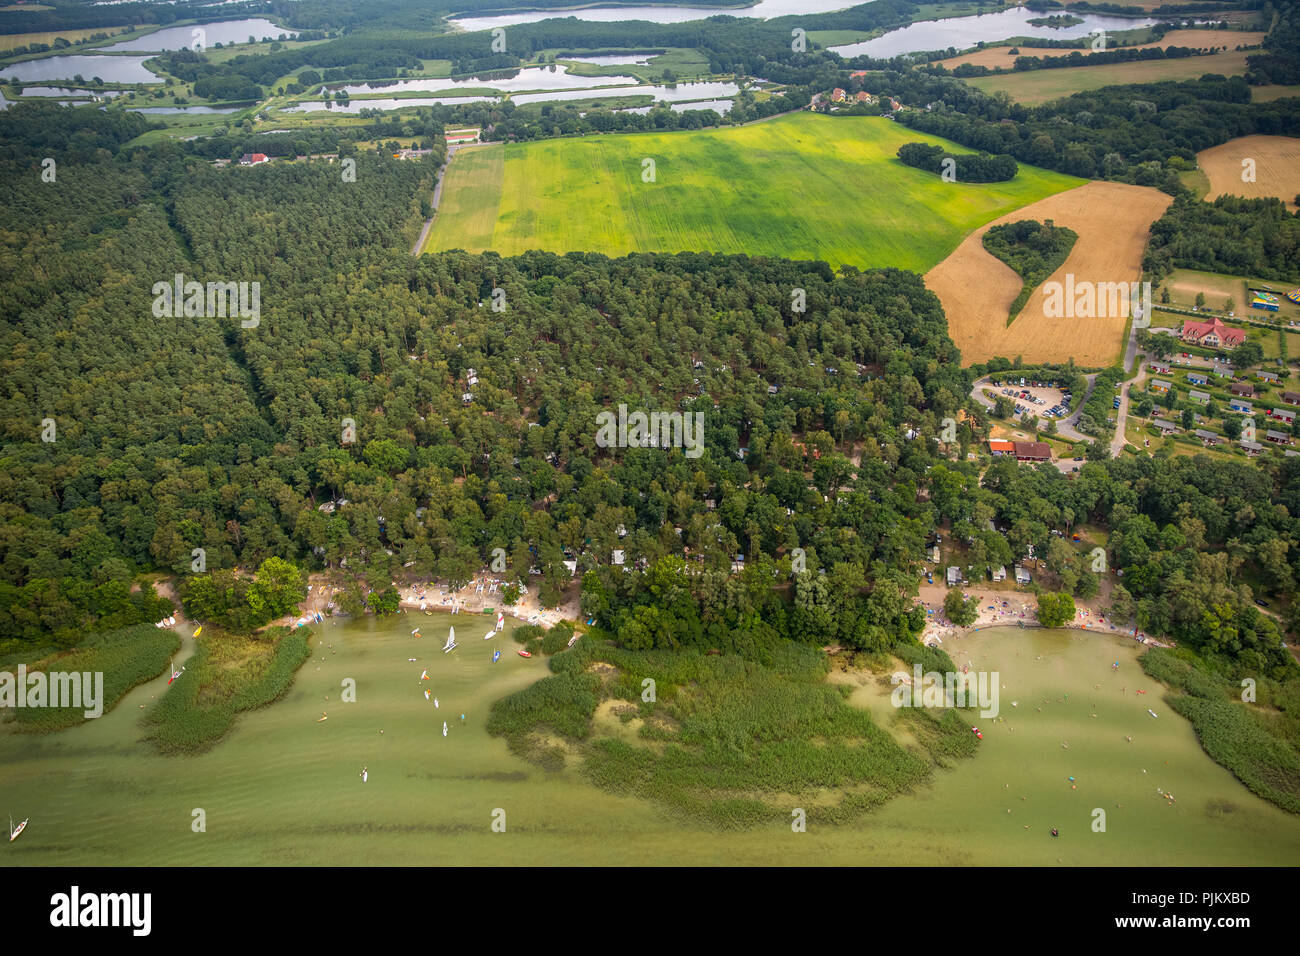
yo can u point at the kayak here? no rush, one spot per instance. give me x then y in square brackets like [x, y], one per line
[524, 654]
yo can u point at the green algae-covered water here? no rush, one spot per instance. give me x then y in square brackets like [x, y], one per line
[282, 788]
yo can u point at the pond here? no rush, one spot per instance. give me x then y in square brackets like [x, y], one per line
[764, 9]
[224, 32]
[964, 32]
[386, 103]
[69, 91]
[110, 69]
[721, 107]
[682, 91]
[185, 109]
[284, 789]
[529, 78]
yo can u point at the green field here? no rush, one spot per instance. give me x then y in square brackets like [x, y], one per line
[1040, 86]
[799, 186]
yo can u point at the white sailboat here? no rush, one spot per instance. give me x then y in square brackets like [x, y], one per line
[489, 635]
[175, 673]
[501, 620]
[435, 703]
[451, 641]
[16, 831]
[444, 733]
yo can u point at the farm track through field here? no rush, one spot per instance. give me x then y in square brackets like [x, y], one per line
[1113, 221]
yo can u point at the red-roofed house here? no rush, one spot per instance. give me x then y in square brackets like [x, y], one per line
[837, 95]
[253, 159]
[1213, 334]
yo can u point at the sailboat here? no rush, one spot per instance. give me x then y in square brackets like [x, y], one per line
[496, 656]
[489, 635]
[16, 832]
[426, 694]
[435, 703]
[501, 620]
[175, 673]
[425, 675]
[444, 728]
[451, 641]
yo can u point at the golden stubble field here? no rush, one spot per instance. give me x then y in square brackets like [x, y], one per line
[1277, 168]
[996, 56]
[1113, 221]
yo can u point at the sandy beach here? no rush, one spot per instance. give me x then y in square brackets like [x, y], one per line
[480, 595]
[1007, 609]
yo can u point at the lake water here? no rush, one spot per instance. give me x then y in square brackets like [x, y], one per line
[224, 32]
[718, 106]
[283, 789]
[530, 78]
[184, 109]
[765, 9]
[111, 69]
[682, 91]
[615, 59]
[68, 91]
[386, 103]
[965, 32]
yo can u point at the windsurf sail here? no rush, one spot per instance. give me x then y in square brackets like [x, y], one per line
[425, 675]
[16, 831]
[501, 620]
[444, 728]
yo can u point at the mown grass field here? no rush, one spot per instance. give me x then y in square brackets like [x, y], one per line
[1039, 86]
[799, 186]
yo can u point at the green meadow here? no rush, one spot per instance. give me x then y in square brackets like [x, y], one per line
[800, 186]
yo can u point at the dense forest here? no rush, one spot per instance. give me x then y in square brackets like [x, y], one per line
[1232, 235]
[343, 431]
[1033, 249]
[980, 168]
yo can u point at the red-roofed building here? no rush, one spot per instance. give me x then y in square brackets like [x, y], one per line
[253, 159]
[1213, 334]
[837, 95]
[1032, 451]
[1002, 447]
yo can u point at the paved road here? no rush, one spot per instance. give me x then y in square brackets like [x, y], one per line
[1064, 427]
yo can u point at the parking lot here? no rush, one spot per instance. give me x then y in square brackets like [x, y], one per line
[1043, 401]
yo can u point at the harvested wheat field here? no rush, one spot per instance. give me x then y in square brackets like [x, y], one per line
[977, 289]
[1277, 168]
[995, 56]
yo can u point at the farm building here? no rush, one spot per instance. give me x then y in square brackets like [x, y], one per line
[1270, 377]
[1283, 415]
[1000, 573]
[1197, 378]
[1209, 438]
[1244, 389]
[1291, 398]
[1240, 406]
[1166, 427]
[1277, 437]
[1161, 368]
[1213, 334]
[1160, 386]
[1022, 576]
[954, 575]
[1200, 398]
[1252, 447]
